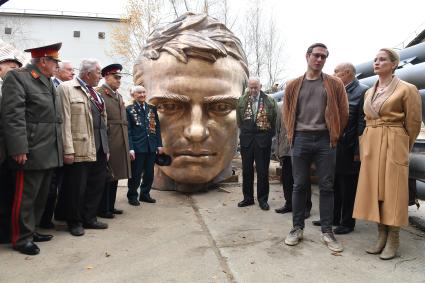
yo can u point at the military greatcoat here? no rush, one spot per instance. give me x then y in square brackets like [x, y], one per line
[119, 159]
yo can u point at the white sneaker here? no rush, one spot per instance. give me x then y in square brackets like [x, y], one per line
[332, 243]
[294, 237]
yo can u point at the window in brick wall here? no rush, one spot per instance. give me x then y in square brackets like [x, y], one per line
[101, 35]
[8, 30]
[76, 33]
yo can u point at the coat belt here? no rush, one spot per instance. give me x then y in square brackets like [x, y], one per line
[380, 123]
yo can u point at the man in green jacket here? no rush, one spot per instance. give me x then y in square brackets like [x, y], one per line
[32, 131]
[256, 117]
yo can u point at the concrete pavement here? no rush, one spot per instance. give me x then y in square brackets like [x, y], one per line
[205, 237]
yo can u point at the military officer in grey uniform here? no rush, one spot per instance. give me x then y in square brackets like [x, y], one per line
[32, 120]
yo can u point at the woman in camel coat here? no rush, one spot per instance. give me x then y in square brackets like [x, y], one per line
[393, 119]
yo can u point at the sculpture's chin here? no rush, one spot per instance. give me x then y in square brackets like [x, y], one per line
[189, 185]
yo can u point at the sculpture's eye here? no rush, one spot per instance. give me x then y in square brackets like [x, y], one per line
[169, 108]
[220, 108]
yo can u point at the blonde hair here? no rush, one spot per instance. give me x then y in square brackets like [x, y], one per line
[394, 57]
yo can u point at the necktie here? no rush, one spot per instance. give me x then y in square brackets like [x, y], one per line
[96, 99]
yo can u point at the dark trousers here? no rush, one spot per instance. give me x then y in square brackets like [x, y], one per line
[312, 147]
[107, 204]
[345, 188]
[55, 186]
[7, 190]
[261, 157]
[82, 189]
[142, 165]
[288, 183]
[32, 188]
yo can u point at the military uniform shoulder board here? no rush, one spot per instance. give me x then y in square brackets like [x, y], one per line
[34, 74]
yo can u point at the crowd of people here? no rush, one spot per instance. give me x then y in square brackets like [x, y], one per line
[65, 142]
[358, 138]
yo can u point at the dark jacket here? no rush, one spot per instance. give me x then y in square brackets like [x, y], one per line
[249, 131]
[348, 144]
[141, 138]
[31, 117]
[336, 114]
[2, 145]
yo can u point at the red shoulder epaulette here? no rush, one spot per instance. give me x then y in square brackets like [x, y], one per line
[34, 74]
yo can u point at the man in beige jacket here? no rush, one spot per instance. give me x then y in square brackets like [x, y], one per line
[85, 148]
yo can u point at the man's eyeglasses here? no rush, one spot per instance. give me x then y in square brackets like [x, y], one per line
[318, 55]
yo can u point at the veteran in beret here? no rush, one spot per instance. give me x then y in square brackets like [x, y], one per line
[31, 120]
[119, 159]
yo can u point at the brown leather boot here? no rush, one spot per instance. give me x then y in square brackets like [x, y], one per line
[382, 239]
[393, 242]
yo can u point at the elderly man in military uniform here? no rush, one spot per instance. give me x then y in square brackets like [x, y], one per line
[256, 115]
[32, 130]
[119, 160]
[7, 62]
[86, 148]
[145, 142]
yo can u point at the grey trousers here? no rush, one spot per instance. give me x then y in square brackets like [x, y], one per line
[312, 147]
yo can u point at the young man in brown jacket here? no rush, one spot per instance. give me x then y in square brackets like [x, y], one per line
[315, 112]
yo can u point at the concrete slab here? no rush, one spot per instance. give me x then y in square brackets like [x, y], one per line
[206, 238]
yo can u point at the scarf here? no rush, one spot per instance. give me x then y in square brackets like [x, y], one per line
[374, 102]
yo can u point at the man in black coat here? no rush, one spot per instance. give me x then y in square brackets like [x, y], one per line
[32, 121]
[347, 156]
[256, 117]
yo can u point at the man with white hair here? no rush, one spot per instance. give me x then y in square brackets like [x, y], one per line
[256, 117]
[64, 73]
[144, 138]
[85, 143]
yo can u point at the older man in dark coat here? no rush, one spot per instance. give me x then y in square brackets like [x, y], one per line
[347, 156]
[32, 120]
[119, 159]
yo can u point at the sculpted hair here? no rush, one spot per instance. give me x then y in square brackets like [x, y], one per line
[311, 47]
[193, 36]
[87, 66]
[394, 57]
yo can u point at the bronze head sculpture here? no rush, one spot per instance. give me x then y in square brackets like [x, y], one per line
[194, 69]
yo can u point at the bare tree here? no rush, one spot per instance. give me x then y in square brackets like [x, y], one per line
[254, 40]
[272, 53]
[142, 16]
[173, 4]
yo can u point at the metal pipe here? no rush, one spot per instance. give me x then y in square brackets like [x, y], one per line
[414, 74]
[412, 55]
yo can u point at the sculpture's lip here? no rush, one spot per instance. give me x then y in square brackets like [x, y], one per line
[197, 153]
